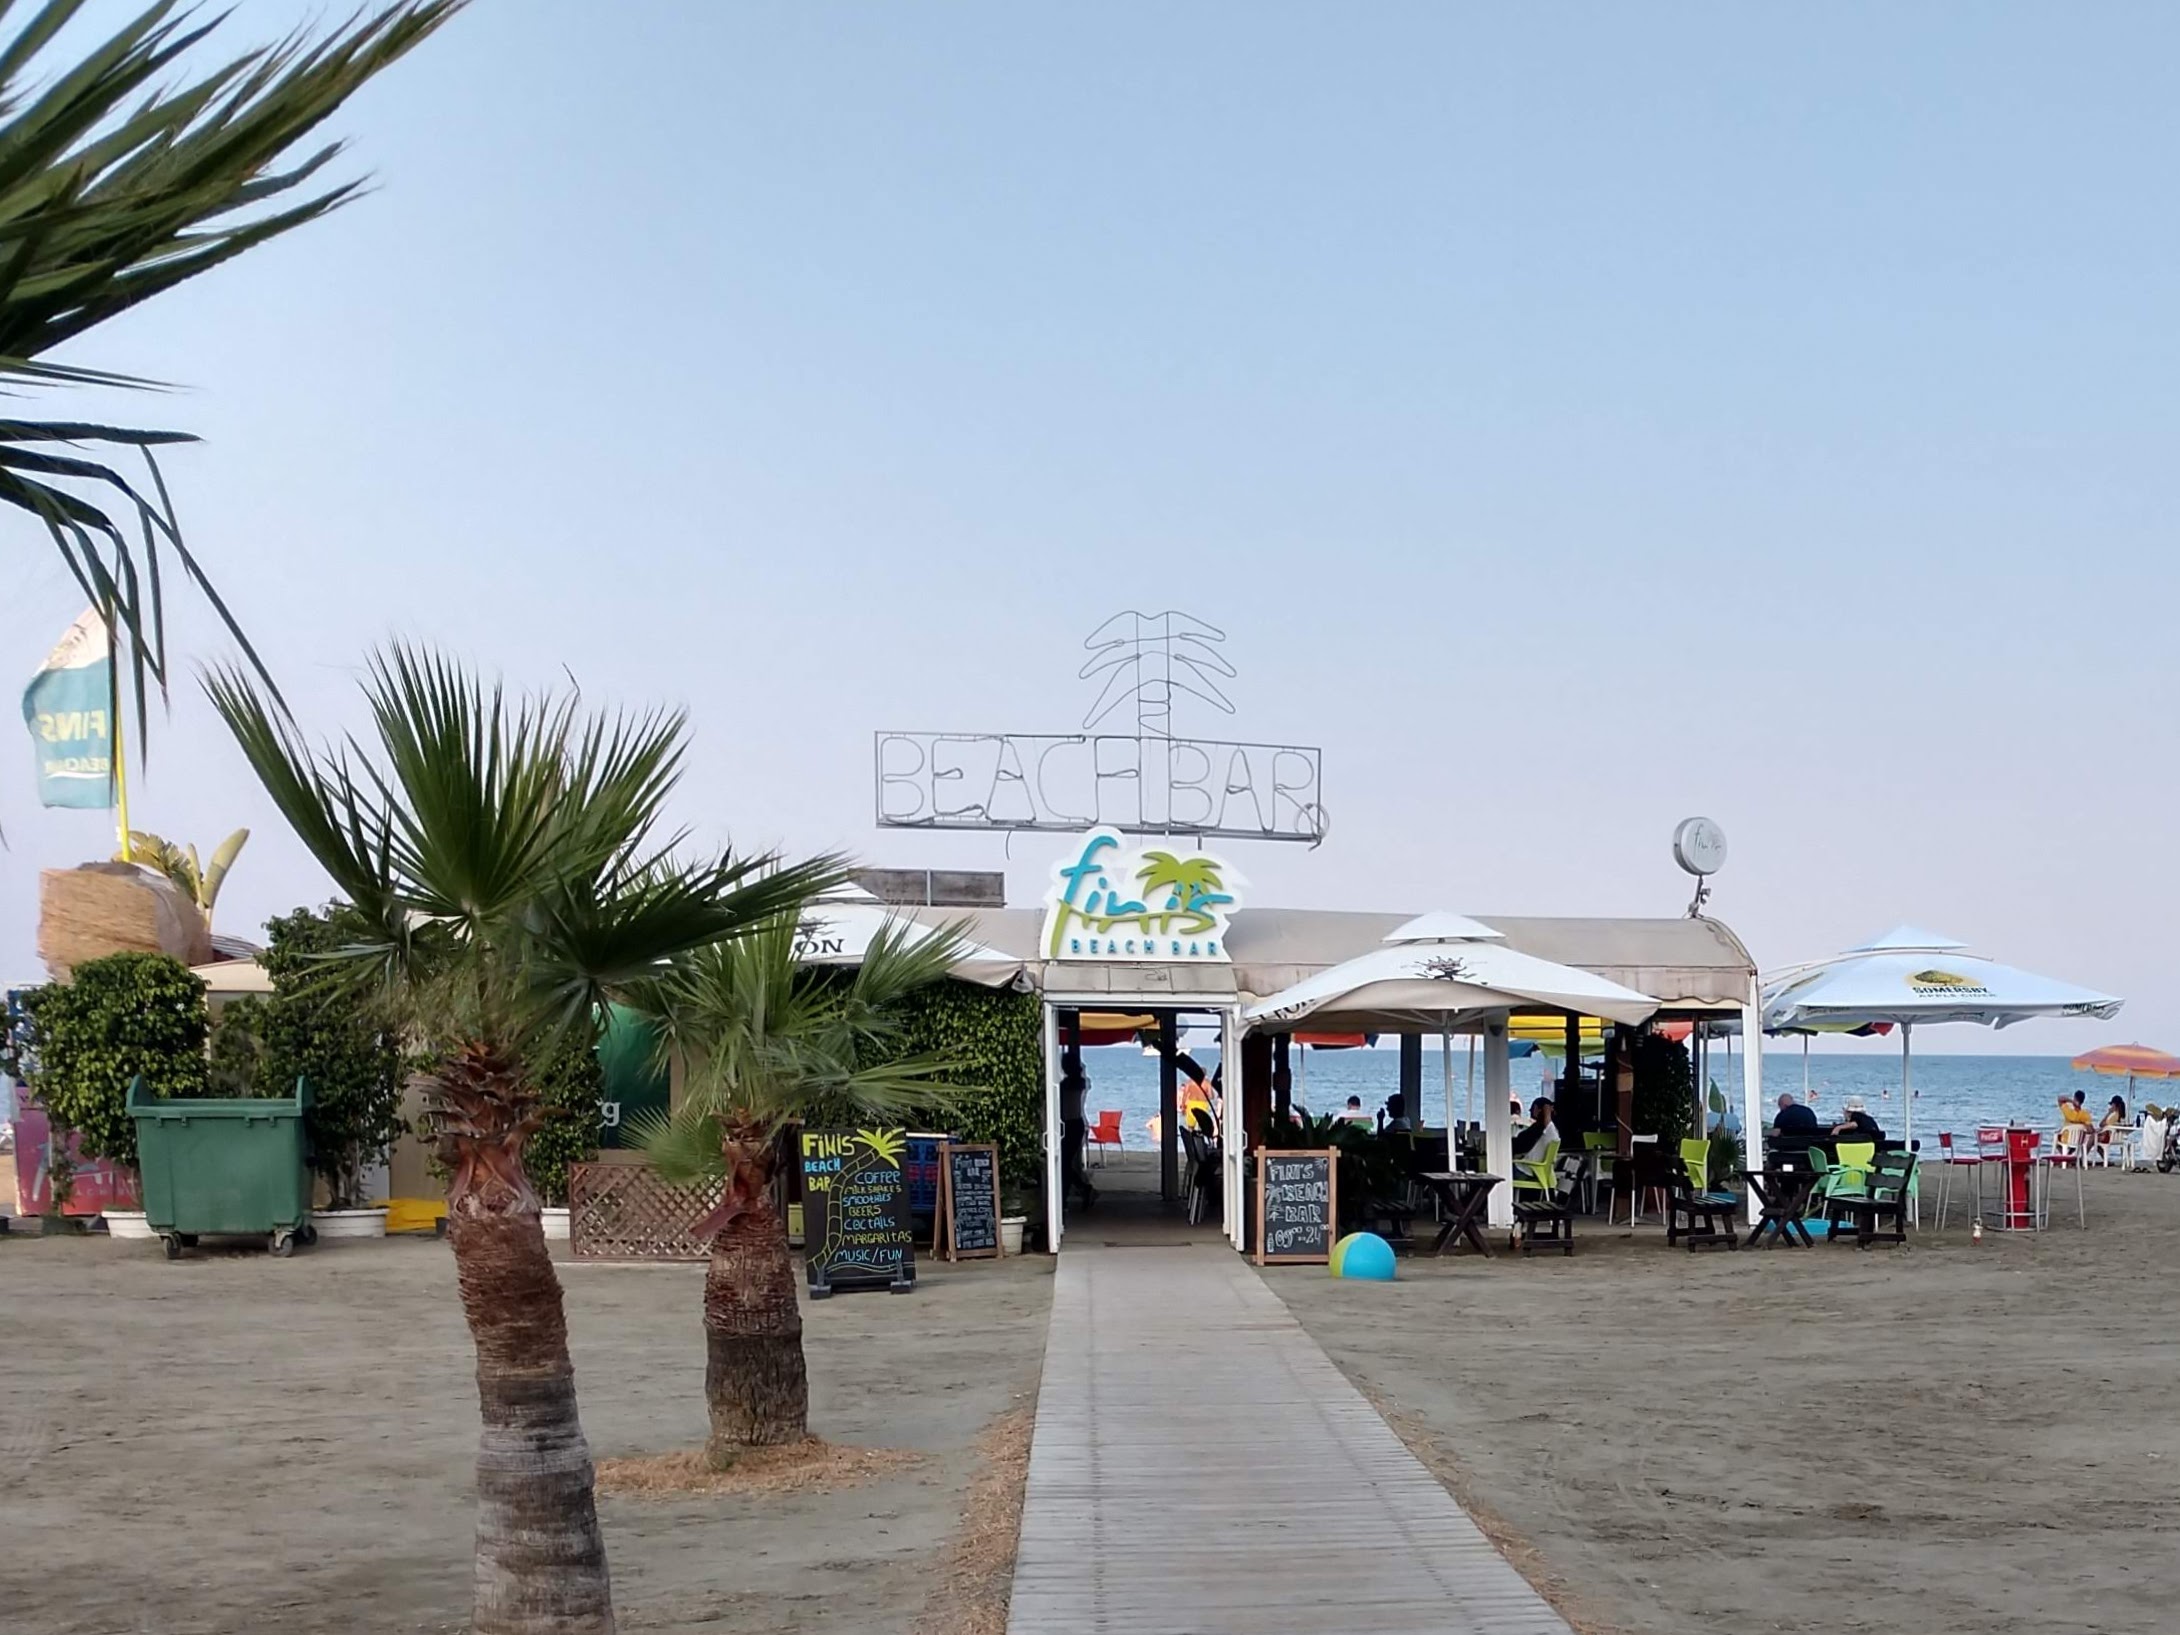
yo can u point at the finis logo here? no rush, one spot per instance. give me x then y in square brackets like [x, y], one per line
[1111, 903]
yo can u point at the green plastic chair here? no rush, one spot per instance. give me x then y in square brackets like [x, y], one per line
[1603, 1148]
[1858, 1157]
[1696, 1155]
[1535, 1174]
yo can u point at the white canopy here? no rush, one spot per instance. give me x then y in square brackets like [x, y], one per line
[840, 930]
[1442, 971]
[1910, 976]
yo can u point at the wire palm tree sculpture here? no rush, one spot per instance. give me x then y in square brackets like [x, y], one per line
[1147, 658]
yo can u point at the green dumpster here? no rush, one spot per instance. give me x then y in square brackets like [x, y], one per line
[230, 1167]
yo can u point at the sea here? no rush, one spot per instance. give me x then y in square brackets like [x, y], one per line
[1951, 1092]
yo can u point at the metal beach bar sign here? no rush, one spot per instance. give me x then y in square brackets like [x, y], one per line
[1145, 782]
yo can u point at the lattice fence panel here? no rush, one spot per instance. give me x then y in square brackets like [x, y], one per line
[631, 1212]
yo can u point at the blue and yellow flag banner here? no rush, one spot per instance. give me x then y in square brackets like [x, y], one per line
[68, 707]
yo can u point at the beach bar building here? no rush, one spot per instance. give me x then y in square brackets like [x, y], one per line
[1150, 929]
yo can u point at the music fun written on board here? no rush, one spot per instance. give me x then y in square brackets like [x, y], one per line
[857, 1184]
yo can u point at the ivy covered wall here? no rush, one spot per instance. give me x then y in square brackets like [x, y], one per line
[995, 1035]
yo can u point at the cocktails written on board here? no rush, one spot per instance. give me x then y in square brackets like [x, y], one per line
[1297, 1206]
[855, 1210]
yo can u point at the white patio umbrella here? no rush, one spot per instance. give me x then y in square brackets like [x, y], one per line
[1443, 972]
[1910, 977]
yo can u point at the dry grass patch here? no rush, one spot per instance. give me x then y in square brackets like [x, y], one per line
[794, 1468]
[972, 1597]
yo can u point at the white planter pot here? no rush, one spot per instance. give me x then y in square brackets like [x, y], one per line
[556, 1224]
[128, 1224]
[1010, 1233]
[349, 1223]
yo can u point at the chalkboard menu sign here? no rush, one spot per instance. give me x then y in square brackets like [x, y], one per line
[1297, 1203]
[855, 1210]
[969, 1203]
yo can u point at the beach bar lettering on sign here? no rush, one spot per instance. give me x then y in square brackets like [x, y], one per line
[1298, 1202]
[855, 1211]
[969, 1208]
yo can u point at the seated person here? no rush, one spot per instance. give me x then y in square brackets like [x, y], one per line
[1396, 1114]
[1858, 1125]
[1795, 1126]
[2115, 1115]
[2074, 1120]
[1353, 1111]
[1540, 1132]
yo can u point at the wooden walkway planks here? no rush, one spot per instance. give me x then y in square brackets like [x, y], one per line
[1201, 1468]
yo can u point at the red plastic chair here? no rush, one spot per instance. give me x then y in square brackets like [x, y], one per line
[1105, 1132]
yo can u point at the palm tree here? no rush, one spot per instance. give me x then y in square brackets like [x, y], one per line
[767, 1040]
[120, 179]
[181, 865]
[510, 875]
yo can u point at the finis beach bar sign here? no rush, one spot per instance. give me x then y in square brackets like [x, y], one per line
[1108, 901]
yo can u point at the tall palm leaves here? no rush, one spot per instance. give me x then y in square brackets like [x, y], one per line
[121, 177]
[765, 1038]
[511, 874]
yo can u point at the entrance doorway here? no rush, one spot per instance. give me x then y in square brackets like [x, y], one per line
[1136, 1122]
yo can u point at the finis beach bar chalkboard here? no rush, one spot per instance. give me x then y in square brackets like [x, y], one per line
[1297, 1203]
[855, 1210]
[969, 1209]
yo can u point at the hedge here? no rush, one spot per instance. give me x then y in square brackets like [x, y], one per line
[996, 1038]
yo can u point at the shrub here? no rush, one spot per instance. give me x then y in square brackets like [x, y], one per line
[570, 1087]
[1665, 1098]
[117, 1017]
[313, 1028]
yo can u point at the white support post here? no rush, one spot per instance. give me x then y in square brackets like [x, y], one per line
[1055, 1204]
[1234, 1135]
[1752, 1089]
[1445, 1061]
[1498, 1124]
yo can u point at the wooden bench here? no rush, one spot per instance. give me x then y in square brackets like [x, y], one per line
[1704, 1218]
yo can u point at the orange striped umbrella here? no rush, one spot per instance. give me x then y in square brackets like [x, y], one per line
[2129, 1062]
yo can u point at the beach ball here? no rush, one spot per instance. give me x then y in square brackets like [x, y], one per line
[1365, 1255]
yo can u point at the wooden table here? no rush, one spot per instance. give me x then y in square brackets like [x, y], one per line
[1463, 1192]
[1784, 1194]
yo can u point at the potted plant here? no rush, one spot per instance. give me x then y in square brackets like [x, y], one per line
[312, 1027]
[1013, 1219]
[570, 1087]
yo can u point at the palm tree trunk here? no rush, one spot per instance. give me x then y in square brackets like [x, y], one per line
[541, 1559]
[755, 1384]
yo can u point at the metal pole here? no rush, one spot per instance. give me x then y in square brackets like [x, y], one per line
[1445, 1060]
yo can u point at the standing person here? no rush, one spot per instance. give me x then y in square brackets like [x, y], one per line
[1195, 1091]
[1074, 1130]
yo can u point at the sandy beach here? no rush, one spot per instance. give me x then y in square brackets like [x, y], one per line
[242, 1446]
[1957, 1439]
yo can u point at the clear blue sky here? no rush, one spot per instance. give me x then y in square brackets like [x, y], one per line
[1578, 416]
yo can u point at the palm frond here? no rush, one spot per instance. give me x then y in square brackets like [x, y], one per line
[122, 176]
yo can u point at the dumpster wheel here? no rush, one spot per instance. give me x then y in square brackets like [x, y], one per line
[283, 1244]
[173, 1241]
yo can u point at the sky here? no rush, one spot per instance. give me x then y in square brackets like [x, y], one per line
[1576, 417]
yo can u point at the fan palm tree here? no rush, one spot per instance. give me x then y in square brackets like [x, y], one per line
[121, 177]
[508, 867]
[766, 1040]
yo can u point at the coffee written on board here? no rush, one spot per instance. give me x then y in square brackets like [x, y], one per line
[856, 1229]
[1297, 1205]
[968, 1226]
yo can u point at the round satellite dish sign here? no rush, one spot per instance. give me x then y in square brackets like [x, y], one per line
[1699, 846]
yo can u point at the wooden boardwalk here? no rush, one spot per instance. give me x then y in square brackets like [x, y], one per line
[1200, 1467]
